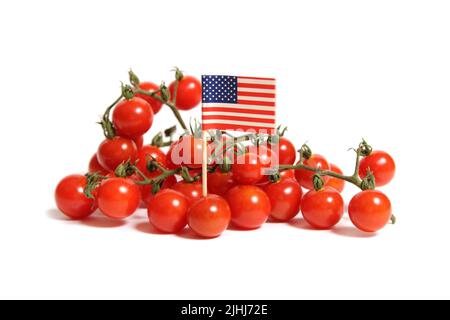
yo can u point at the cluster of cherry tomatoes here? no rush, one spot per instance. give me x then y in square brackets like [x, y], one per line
[125, 174]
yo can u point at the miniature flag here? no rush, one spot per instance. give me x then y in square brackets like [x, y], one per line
[238, 103]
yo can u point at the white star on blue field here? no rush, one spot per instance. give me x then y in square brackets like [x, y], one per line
[219, 89]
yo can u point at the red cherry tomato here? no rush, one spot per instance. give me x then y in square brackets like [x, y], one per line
[220, 182]
[118, 198]
[146, 154]
[370, 210]
[323, 209]
[209, 216]
[113, 152]
[147, 190]
[192, 191]
[305, 177]
[94, 166]
[189, 93]
[381, 165]
[70, 198]
[150, 86]
[250, 206]
[167, 211]
[287, 174]
[132, 118]
[185, 152]
[247, 169]
[285, 197]
[286, 151]
[268, 158]
[335, 183]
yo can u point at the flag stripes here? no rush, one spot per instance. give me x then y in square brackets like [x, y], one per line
[238, 103]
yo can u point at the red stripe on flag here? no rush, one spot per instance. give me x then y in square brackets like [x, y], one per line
[249, 111]
[256, 103]
[220, 126]
[256, 86]
[256, 78]
[256, 94]
[238, 118]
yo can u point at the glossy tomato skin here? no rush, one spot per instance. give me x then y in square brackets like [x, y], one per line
[209, 216]
[285, 198]
[323, 209]
[250, 206]
[113, 152]
[287, 174]
[187, 152]
[118, 198]
[381, 164]
[167, 211]
[150, 86]
[192, 191]
[94, 166]
[370, 210]
[148, 153]
[146, 190]
[247, 169]
[132, 118]
[267, 157]
[335, 183]
[305, 177]
[189, 93]
[71, 200]
[220, 183]
[286, 151]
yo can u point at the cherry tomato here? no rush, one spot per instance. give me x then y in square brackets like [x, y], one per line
[220, 182]
[113, 152]
[209, 216]
[323, 209]
[285, 197]
[167, 211]
[335, 183]
[148, 153]
[150, 86]
[147, 190]
[250, 206]
[185, 152]
[189, 93]
[70, 198]
[192, 191]
[94, 166]
[286, 151]
[118, 198]
[132, 118]
[268, 158]
[370, 210]
[381, 165]
[305, 177]
[247, 169]
[287, 174]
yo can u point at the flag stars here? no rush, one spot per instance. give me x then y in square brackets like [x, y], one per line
[219, 89]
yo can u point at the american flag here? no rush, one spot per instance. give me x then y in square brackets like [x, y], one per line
[238, 103]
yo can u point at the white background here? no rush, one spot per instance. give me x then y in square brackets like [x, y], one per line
[345, 70]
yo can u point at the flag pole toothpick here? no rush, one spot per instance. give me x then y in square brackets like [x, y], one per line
[205, 164]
